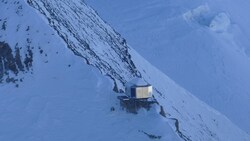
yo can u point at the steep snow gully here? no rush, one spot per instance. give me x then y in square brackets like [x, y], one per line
[75, 25]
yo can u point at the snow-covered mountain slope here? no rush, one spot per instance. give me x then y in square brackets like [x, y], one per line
[63, 99]
[203, 45]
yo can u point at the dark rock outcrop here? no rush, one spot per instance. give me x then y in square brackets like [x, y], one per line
[12, 61]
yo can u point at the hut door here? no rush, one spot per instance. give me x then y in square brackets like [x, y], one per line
[133, 92]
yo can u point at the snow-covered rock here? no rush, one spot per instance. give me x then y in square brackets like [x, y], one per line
[220, 23]
[199, 15]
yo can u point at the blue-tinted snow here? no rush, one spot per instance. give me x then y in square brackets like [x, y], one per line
[203, 45]
[66, 100]
[62, 98]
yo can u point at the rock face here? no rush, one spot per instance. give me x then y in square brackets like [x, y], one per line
[11, 62]
[7, 60]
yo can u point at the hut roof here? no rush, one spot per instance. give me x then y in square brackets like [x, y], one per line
[136, 82]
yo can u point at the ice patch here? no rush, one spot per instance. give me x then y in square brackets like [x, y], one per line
[220, 23]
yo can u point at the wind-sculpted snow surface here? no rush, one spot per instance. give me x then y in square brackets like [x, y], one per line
[88, 36]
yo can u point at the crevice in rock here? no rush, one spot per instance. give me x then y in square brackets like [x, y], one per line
[151, 136]
[177, 129]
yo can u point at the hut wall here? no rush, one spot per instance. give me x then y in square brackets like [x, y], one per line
[139, 92]
[144, 92]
